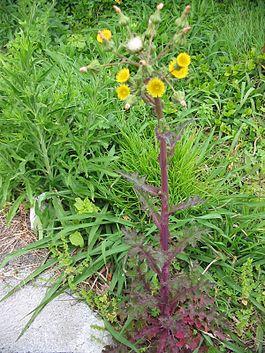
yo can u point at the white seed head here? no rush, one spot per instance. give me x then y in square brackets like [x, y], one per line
[135, 44]
[127, 106]
[160, 6]
[83, 69]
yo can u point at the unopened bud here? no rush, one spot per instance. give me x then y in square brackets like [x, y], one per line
[151, 29]
[187, 9]
[124, 20]
[186, 29]
[160, 6]
[130, 101]
[179, 96]
[83, 69]
[183, 103]
[143, 62]
[155, 18]
[117, 9]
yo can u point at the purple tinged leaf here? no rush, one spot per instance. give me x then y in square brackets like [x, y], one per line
[151, 260]
[153, 330]
[172, 138]
[190, 202]
[162, 342]
[140, 183]
[178, 249]
[147, 204]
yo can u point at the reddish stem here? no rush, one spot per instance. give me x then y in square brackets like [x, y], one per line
[164, 233]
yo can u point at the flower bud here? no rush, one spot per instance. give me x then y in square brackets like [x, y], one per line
[83, 69]
[179, 39]
[143, 62]
[182, 20]
[135, 44]
[151, 30]
[117, 9]
[186, 29]
[187, 9]
[130, 101]
[94, 65]
[155, 18]
[160, 6]
[179, 97]
[108, 45]
[124, 20]
[183, 103]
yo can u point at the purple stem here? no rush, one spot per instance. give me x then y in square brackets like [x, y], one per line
[164, 233]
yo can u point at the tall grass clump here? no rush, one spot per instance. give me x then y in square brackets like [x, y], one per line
[56, 148]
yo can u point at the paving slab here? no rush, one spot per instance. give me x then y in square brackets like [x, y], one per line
[65, 325]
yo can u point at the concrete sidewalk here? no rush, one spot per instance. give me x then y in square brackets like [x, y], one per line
[64, 325]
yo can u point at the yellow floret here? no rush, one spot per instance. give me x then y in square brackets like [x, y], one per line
[176, 71]
[155, 87]
[123, 91]
[123, 75]
[183, 60]
[104, 34]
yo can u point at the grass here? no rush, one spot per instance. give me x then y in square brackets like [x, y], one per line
[64, 136]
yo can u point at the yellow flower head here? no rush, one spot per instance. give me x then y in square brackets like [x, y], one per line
[176, 71]
[183, 60]
[104, 34]
[155, 87]
[123, 91]
[123, 75]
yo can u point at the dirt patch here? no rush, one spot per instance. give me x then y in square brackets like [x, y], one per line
[16, 235]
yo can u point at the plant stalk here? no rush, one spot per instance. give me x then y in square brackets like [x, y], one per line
[164, 232]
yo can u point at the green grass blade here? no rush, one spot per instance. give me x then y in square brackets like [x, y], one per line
[29, 278]
[39, 244]
[13, 209]
[259, 337]
[119, 337]
[51, 294]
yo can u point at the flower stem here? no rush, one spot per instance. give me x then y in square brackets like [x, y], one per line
[164, 232]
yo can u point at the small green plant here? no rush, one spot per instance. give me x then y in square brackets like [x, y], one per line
[85, 206]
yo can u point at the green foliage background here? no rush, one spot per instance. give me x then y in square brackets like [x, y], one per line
[64, 136]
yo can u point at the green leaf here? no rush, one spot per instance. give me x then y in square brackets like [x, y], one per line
[85, 206]
[119, 337]
[259, 336]
[77, 239]
[51, 294]
[13, 209]
[235, 348]
[29, 278]
[40, 244]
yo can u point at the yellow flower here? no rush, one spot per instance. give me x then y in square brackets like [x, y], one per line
[176, 71]
[104, 34]
[183, 60]
[123, 91]
[123, 75]
[155, 87]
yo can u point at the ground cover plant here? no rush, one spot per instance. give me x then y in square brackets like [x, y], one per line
[64, 136]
